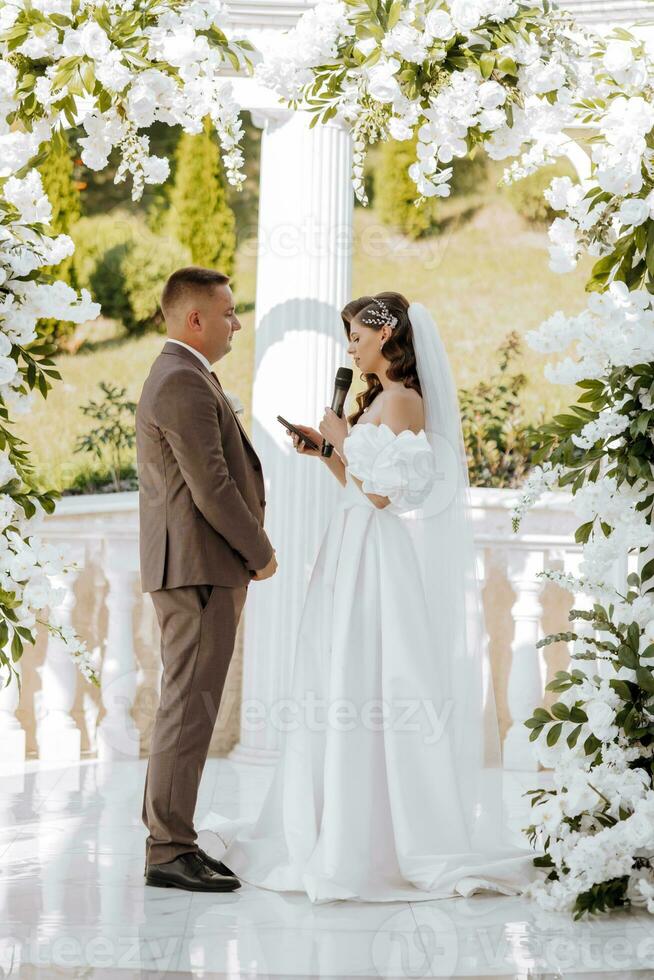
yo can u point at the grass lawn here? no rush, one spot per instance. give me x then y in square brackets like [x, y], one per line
[481, 277]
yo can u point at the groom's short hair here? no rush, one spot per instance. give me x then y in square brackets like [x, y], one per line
[190, 279]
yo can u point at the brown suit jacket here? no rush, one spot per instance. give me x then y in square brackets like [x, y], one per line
[201, 490]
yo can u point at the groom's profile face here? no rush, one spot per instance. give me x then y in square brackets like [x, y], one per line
[213, 321]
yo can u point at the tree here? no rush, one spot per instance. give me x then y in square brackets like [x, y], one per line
[198, 213]
[57, 174]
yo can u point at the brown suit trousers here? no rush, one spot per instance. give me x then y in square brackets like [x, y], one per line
[198, 627]
[201, 503]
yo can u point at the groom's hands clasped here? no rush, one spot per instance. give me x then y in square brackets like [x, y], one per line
[267, 571]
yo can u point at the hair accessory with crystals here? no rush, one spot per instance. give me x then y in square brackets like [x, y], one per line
[382, 317]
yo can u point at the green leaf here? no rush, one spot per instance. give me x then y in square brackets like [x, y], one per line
[627, 657]
[560, 711]
[633, 636]
[16, 647]
[394, 14]
[553, 734]
[582, 533]
[487, 64]
[507, 65]
[573, 736]
[645, 679]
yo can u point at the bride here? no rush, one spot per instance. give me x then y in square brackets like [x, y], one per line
[393, 791]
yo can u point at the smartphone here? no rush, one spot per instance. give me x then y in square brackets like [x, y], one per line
[303, 436]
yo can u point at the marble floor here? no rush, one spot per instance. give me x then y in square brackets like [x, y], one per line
[74, 903]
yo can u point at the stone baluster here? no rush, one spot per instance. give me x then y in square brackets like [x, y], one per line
[118, 736]
[58, 737]
[527, 673]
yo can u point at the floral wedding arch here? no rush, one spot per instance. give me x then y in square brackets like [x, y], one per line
[513, 78]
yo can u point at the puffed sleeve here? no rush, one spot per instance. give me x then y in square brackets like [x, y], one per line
[399, 466]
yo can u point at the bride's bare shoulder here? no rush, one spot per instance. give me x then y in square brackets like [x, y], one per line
[402, 408]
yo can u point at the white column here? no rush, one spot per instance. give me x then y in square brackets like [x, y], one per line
[303, 280]
[526, 677]
[12, 736]
[59, 739]
[118, 736]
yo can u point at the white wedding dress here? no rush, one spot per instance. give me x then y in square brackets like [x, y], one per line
[360, 806]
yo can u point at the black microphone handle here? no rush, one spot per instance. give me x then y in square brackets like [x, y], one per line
[338, 403]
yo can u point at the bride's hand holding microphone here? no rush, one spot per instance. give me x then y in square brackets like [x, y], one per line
[335, 429]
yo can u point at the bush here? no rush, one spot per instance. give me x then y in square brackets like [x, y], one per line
[526, 195]
[125, 265]
[469, 175]
[498, 442]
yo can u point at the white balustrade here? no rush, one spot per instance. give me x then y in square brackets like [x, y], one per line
[104, 529]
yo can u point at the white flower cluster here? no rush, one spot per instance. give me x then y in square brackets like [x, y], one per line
[372, 98]
[26, 567]
[616, 506]
[85, 65]
[166, 71]
[619, 195]
[288, 57]
[616, 329]
[589, 853]
[539, 480]
[594, 853]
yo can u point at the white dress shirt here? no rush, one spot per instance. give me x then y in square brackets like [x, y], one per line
[197, 353]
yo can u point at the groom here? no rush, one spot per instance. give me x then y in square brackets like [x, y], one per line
[201, 504]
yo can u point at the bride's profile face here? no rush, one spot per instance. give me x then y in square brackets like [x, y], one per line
[364, 346]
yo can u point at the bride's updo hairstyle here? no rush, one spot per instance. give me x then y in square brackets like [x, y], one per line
[398, 349]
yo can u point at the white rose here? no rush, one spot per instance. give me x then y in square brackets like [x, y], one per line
[438, 24]
[382, 84]
[491, 95]
[466, 14]
[634, 211]
[618, 56]
[542, 78]
[491, 119]
[93, 41]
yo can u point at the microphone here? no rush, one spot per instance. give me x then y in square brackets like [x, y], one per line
[342, 383]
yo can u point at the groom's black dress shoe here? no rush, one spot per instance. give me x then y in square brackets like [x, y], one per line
[189, 871]
[217, 866]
